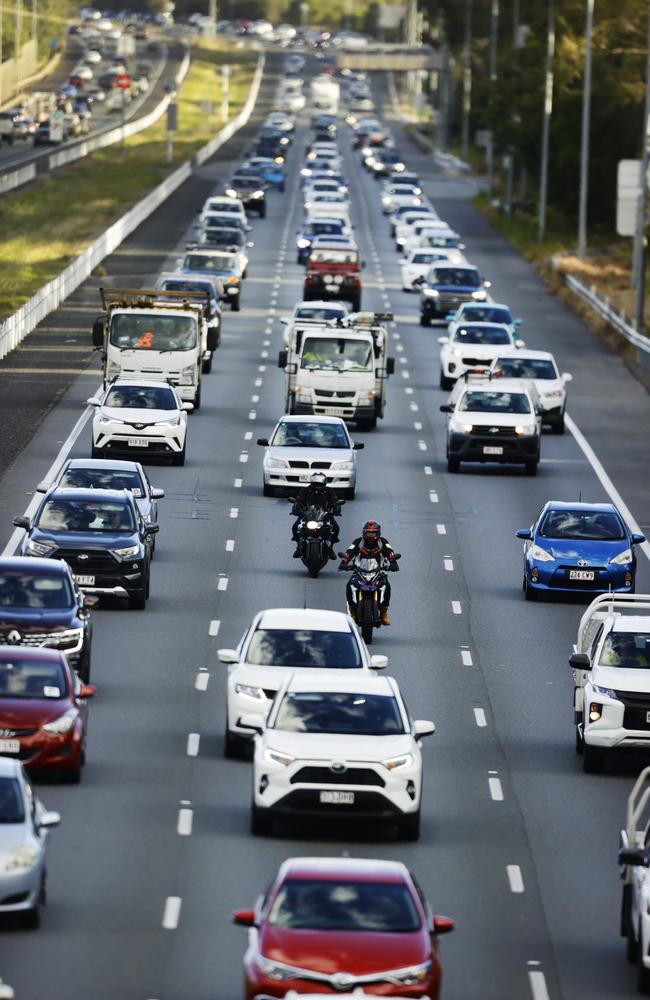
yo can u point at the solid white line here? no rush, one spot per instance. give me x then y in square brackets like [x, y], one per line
[466, 657]
[449, 564]
[223, 583]
[433, 496]
[515, 878]
[440, 528]
[238, 485]
[215, 625]
[456, 607]
[496, 791]
[479, 715]
[234, 511]
[230, 545]
[193, 740]
[172, 913]
[606, 482]
[538, 983]
[202, 680]
[184, 825]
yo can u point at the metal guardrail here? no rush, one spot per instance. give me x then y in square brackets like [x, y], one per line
[15, 178]
[21, 323]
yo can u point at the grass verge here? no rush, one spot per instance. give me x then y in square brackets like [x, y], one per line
[49, 224]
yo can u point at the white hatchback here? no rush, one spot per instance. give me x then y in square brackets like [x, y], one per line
[139, 417]
[279, 643]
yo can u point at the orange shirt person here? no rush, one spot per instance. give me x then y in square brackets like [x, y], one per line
[146, 340]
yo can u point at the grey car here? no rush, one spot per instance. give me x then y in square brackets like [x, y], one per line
[302, 445]
[24, 825]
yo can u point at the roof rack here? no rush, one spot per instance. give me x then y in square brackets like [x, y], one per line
[145, 298]
[610, 604]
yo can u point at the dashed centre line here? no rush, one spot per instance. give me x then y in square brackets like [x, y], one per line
[515, 878]
[479, 715]
[496, 789]
[456, 607]
[538, 986]
[466, 657]
[449, 564]
[172, 913]
[184, 824]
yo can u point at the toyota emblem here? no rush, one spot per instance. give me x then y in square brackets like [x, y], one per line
[582, 562]
[338, 767]
[14, 637]
[341, 980]
[494, 430]
[83, 555]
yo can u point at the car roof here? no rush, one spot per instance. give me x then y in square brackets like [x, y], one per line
[581, 505]
[50, 567]
[110, 464]
[515, 385]
[361, 869]
[314, 619]
[482, 323]
[484, 305]
[321, 304]
[341, 681]
[525, 353]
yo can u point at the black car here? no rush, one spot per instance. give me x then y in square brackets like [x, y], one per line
[446, 287]
[42, 135]
[312, 229]
[100, 534]
[386, 162]
[41, 605]
[223, 238]
[250, 189]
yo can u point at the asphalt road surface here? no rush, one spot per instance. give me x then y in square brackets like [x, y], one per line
[488, 668]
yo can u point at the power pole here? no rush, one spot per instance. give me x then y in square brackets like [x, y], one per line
[639, 236]
[212, 15]
[515, 24]
[494, 32]
[17, 42]
[546, 123]
[1, 17]
[467, 79]
[584, 145]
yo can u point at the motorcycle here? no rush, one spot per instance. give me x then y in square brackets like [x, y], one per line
[368, 587]
[315, 538]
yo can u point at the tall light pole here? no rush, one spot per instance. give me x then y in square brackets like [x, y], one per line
[515, 24]
[584, 144]
[467, 78]
[546, 122]
[639, 236]
[494, 32]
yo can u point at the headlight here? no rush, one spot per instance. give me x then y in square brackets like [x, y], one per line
[393, 763]
[540, 554]
[314, 525]
[525, 430]
[622, 558]
[277, 757]
[480, 296]
[231, 192]
[305, 172]
[130, 552]
[303, 244]
[172, 422]
[431, 293]
[256, 693]
[401, 240]
[339, 279]
[40, 548]
[187, 375]
[460, 427]
[21, 857]
[275, 463]
[342, 466]
[104, 419]
[69, 640]
[274, 970]
[410, 976]
[457, 352]
[63, 724]
[605, 692]
[257, 194]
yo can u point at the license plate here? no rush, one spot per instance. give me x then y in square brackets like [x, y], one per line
[303, 478]
[87, 581]
[493, 449]
[137, 442]
[331, 288]
[9, 746]
[331, 411]
[337, 798]
[582, 574]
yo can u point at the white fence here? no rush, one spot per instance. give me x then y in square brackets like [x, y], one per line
[17, 326]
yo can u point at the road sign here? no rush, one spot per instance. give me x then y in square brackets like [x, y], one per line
[628, 189]
[483, 137]
[122, 81]
[56, 126]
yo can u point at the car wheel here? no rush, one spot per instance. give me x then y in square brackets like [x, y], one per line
[72, 775]
[424, 320]
[233, 746]
[138, 599]
[453, 464]
[96, 452]
[178, 458]
[593, 762]
[631, 943]
[351, 493]
[261, 823]
[558, 428]
[643, 974]
[409, 828]
[529, 592]
[83, 668]
[268, 491]
[446, 383]
[263, 212]
[197, 398]
[531, 467]
[245, 273]
[579, 741]
[235, 304]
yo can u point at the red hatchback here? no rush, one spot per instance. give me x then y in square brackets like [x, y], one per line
[333, 924]
[43, 711]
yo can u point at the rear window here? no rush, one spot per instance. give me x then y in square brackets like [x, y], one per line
[104, 479]
[31, 679]
[527, 368]
[342, 905]
[303, 648]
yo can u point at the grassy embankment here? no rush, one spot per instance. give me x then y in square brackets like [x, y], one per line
[47, 225]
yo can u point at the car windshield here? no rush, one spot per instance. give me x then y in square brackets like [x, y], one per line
[177, 285]
[58, 514]
[486, 314]
[103, 479]
[31, 678]
[528, 368]
[310, 435]
[336, 354]
[342, 905]
[490, 401]
[278, 647]
[19, 589]
[487, 334]
[136, 397]
[455, 276]
[342, 712]
[12, 806]
[583, 525]
[153, 332]
[223, 236]
[333, 256]
[423, 258]
[629, 650]
[324, 228]
[216, 263]
[319, 312]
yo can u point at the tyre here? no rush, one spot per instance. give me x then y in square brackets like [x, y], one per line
[72, 775]
[245, 273]
[262, 212]
[31, 919]
[235, 305]
[268, 491]
[579, 741]
[206, 367]
[531, 467]
[261, 823]
[453, 464]
[364, 620]
[446, 383]
[178, 458]
[96, 452]
[558, 428]
[83, 668]
[351, 493]
[233, 746]
[409, 827]
[424, 320]
[197, 398]
[642, 974]
[593, 762]
[138, 599]
[529, 592]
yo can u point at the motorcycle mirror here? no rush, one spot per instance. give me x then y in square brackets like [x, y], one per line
[398, 555]
[291, 499]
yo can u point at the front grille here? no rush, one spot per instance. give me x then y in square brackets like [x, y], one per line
[476, 361]
[493, 432]
[637, 706]
[306, 465]
[325, 776]
[157, 447]
[298, 464]
[307, 801]
[20, 732]
[96, 561]
[34, 639]
[329, 394]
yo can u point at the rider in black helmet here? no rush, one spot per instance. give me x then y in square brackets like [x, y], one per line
[317, 494]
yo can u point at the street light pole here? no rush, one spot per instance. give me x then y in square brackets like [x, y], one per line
[639, 236]
[467, 79]
[546, 124]
[584, 145]
[494, 31]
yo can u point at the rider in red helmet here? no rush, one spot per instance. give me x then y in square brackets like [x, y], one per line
[371, 544]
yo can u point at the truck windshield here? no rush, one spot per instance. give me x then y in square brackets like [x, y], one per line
[336, 354]
[153, 332]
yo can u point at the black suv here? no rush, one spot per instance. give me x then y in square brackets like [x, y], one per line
[250, 189]
[102, 536]
[40, 605]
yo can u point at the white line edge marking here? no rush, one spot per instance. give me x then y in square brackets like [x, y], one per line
[184, 825]
[515, 878]
[172, 913]
[479, 715]
[496, 789]
[193, 741]
[538, 985]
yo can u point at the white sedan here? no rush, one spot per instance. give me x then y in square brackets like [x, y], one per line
[417, 264]
[539, 367]
[332, 204]
[301, 445]
[473, 345]
[342, 747]
[140, 417]
[279, 643]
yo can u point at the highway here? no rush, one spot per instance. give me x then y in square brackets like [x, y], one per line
[154, 850]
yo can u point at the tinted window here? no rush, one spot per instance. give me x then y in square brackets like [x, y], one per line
[104, 479]
[332, 256]
[189, 286]
[423, 258]
[153, 332]
[20, 589]
[494, 402]
[482, 335]
[527, 368]
[601, 526]
[339, 712]
[303, 648]
[85, 515]
[455, 276]
[133, 397]
[311, 435]
[486, 314]
[31, 678]
[629, 650]
[333, 905]
[12, 808]
[324, 228]
[217, 263]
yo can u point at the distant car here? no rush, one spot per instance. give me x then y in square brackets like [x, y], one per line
[24, 825]
[316, 227]
[573, 546]
[417, 264]
[400, 194]
[279, 642]
[43, 711]
[446, 287]
[474, 311]
[227, 238]
[178, 282]
[367, 922]
[249, 188]
[299, 445]
[312, 311]
[540, 368]
[43, 137]
[140, 417]
[473, 345]
[12, 126]
[219, 264]
[271, 172]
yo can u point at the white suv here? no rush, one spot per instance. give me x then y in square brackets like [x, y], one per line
[140, 417]
[279, 643]
[471, 345]
[340, 747]
[540, 368]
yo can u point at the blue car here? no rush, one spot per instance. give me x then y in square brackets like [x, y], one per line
[270, 170]
[578, 548]
[309, 232]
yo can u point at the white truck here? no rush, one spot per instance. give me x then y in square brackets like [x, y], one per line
[324, 94]
[634, 859]
[156, 333]
[339, 368]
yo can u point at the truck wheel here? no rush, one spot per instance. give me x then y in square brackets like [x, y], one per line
[593, 762]
[235, 304]
[263, 212]
[558, 428]
[197, 398]
[206, 368]
[643, 974]
[424, 320]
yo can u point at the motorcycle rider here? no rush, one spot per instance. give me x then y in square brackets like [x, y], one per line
[371, 545]
[317, 494]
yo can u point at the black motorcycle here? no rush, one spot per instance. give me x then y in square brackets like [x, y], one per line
[367, 589]
[315, 532]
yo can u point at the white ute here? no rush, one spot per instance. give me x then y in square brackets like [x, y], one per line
[634, 858]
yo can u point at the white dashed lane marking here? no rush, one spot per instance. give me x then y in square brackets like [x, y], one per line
[479, 715]
[215, 625]
[184, 824]
[234, 512]
[193, 740]
[230, 545]
[466, 657]
[223, 583]
[515, 878]
[496, 790]
[440, 528]
[172, 913]
[456, 607]
[538, 986]
[202, 680]
[449, 564]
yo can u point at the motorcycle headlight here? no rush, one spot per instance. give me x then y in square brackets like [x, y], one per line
[303, 244]
[539, 554]
[305, 172]
[40, 548]
[460, 427]
[410, 976]
[622, 558]
[277, 757]
[525, 430]
[63, 724]
[256, 693]
[401, 240]
[394, 763]
[21, 857]
[343, 466]
[480, 296]
[275, 463]
[314, 525]
[130, 552]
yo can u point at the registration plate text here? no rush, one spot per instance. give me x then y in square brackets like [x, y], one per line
[582, 574]
[137, 442]
[85, 581]
[337, 798]
[9, 746]
[493, 449]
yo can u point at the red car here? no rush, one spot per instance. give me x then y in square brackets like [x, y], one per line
[43, 711]
[332, 924]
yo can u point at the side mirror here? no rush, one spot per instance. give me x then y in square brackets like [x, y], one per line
[93, 401]
[637, 857]
[152, 529]
[390, 366]
[487, 284]
[524, 533]
[188, 407]
[250, 722]
[87, 691]
[358, 446]
[579, 661]
[446, 408]
[157, 493]
[637, 538]
[98, 332]
[443, 925]
[22, 522]
[90, 600]
[245, 918]
[49, 820]
[518, 322]
[227, 655]
[250, 244]
[378, 662]
[285, 320]
[449, 317]
[283, 357]
[443, 340]
[423, 727]
[462, 246]
[567, 377]
[417, 281]
[263, 441]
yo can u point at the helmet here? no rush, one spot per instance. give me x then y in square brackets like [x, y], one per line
[318, 480]
[371, 532]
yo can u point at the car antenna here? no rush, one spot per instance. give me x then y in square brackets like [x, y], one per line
[579, 496]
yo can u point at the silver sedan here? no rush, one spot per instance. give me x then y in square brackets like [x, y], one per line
[302, 445]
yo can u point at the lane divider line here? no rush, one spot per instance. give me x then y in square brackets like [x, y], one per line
[202, 680]
[172, 913]
[456, 607]
[184, 824]
[466, 657]
[193, 740]
[449, 564]
[433, 496]
[234, 512]
[230, 545]
[440, 528]
[538, 986]
[479, 715]
[215, 625]
[515, 878]
[223, 583]
[496, 789]
[428, 471]
[238, 485]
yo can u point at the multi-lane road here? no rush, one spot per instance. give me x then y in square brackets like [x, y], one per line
[154, 849]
